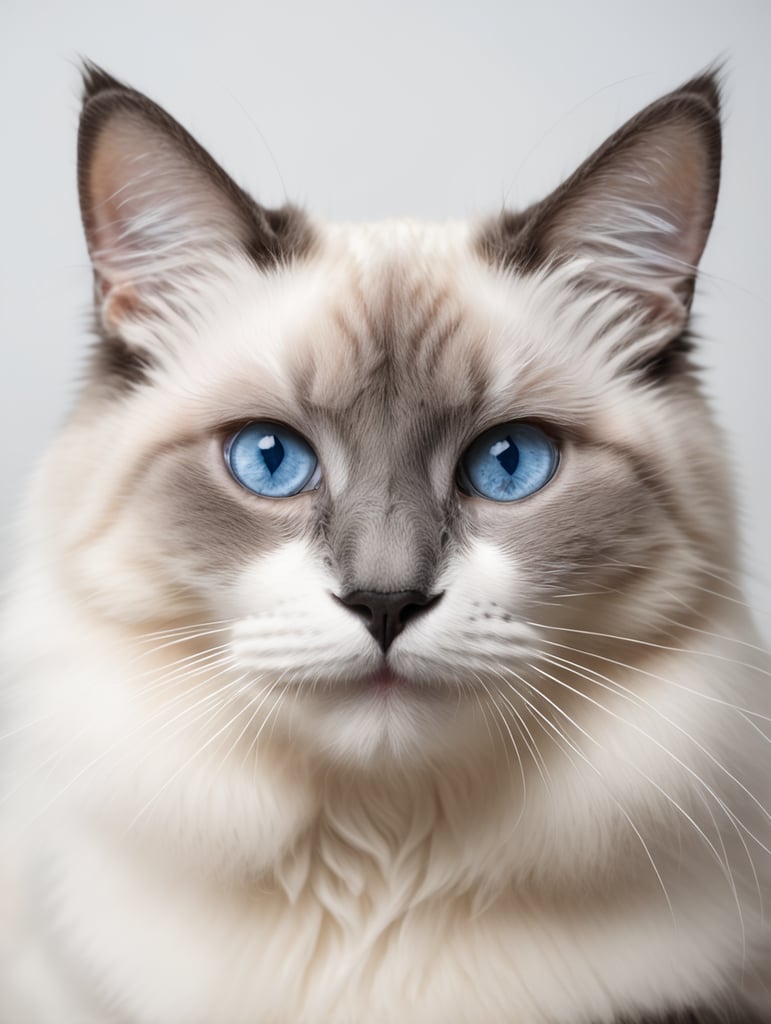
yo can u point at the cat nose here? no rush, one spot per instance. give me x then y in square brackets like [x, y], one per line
[386, 614]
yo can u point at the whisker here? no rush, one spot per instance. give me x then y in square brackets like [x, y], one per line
[138, 729]
[182, 669]
[187, 638]
[185, 764]
[533, 750]
[253, 746]
[502, 719]
[627, 817]
[663, 679]
[637, 699]
[703, 569]
[631, 764]
[682, 764]
[191, 628]
[650, 644]
[630, 695]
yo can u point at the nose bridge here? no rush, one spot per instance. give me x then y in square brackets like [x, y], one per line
[388, 538]
[385, 523]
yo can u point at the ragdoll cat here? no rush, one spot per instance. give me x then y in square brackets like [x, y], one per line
[376, 654]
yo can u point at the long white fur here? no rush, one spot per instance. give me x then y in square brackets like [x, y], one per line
[158, 868]
[198, 827]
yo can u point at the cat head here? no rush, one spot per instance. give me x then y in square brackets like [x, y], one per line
[400, 464]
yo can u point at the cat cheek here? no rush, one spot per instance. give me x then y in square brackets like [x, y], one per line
[288, 619]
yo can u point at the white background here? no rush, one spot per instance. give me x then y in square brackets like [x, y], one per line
[361, 111]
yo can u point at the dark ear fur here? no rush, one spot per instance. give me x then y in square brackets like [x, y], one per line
[154, 202]
[638, 210]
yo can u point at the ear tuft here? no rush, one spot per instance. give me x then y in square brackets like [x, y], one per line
[157, 209]
[96, 80]
[637, 212]
[708, 86]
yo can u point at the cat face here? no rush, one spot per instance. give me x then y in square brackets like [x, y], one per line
[399, 465]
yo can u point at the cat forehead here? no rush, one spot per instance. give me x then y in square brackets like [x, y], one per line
[392, 319]
[401, 313]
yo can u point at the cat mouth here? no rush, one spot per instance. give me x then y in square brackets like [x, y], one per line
[382, 681]
[385, 679]
[385, 682]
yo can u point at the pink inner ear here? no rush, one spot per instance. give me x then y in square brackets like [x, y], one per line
[129, 175]
[673, 170]
[646, 212]
[683, 186]
[152, 209]
[104, 191]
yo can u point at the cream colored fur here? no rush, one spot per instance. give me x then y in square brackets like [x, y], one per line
[397, 857]
[562, 812]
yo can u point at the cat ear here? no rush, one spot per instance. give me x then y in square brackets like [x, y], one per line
[639, 209]
[156, 206]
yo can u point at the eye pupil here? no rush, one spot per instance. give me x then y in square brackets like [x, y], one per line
[507, 454]
[272, 452]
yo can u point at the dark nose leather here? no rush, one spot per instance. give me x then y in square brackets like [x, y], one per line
[386, 614]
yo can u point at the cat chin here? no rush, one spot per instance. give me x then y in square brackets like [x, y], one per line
[382, 718]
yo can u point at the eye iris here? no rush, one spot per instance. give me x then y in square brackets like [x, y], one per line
[508, 463]
[271, 460]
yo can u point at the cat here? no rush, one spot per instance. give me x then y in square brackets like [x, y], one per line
[377, 651]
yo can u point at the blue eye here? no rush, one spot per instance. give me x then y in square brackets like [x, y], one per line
[272, 460]
[508, 462]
